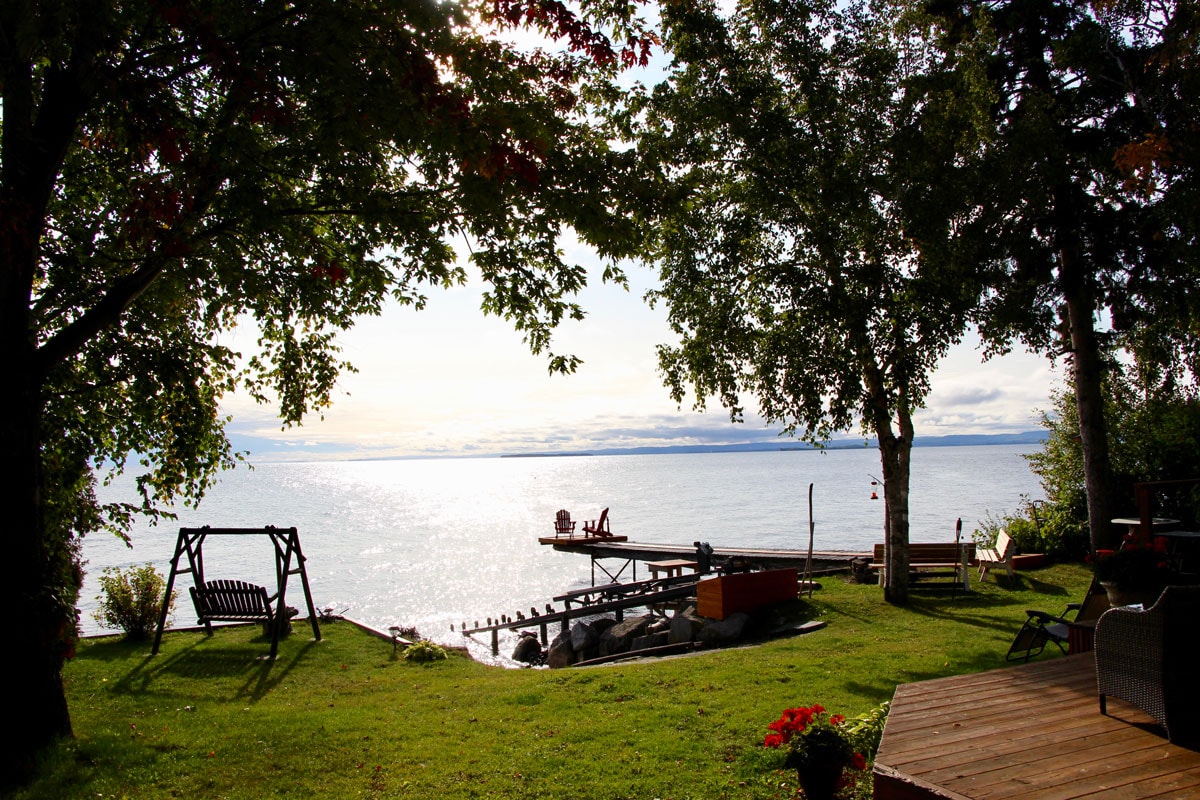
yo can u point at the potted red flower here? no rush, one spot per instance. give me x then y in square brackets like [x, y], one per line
[818, 749]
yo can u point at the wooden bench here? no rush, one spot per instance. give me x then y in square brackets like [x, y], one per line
[233, 601]
[932, 560]
[999, 556]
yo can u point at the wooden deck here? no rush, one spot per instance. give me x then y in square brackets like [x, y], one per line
[1033, 732]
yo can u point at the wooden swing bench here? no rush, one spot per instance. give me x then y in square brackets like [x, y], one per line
[233, 601]
[239, 601]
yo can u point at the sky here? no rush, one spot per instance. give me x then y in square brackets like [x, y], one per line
[448, 381]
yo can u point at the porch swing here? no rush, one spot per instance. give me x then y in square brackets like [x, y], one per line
[238, 601]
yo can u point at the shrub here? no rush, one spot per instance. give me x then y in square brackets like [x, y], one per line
[424, 651]
[1038, 528]
[132, 600]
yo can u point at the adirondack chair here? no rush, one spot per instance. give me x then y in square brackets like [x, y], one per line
[1000, 555]
[598, 527]
[563, 524]
[1041, 627]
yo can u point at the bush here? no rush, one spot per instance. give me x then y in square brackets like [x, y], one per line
[424, 651]
[1038, 528]
[131, 601]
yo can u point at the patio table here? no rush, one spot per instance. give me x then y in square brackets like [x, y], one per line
[1135, 525]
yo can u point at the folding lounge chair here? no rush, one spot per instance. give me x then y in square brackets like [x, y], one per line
[1041, 627]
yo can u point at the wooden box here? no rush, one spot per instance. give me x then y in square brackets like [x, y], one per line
[717, 598]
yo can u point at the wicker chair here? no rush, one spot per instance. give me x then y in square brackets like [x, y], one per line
[1149, 658]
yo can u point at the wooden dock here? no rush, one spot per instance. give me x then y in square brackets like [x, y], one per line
[1033, 732]
[759, 558]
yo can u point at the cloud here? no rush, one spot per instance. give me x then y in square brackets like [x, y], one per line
[450, 381]
[970, 396]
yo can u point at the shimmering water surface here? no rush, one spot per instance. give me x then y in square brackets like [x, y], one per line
[430, 543]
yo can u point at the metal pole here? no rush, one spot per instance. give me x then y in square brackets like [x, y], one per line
[808, 561]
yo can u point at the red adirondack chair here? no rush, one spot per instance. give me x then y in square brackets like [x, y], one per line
[563, 523]
[598, 527]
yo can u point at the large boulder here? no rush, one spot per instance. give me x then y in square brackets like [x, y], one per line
[719, 633]
[685, 628]
[561, 654]
[584, 636]
[528, 649]
[619, 638]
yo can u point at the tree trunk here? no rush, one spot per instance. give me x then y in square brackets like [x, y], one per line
[895, 456]
[39, 615]
[895, 452]
[1093, 433]
[1088, 367]
[39, 619]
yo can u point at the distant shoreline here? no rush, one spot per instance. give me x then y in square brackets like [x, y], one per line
[1027, 438]
[958, 440]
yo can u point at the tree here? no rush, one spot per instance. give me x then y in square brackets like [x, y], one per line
[1154, 435]
[1090, 194]
[174, 168]
[794, 177]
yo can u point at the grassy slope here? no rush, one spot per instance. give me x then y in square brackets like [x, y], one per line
[343, 718]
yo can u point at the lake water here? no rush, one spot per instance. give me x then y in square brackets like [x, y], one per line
[431, 543]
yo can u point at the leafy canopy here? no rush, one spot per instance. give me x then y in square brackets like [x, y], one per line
[174, 170]
[789, 155]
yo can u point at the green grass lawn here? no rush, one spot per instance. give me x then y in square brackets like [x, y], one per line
[344, 718]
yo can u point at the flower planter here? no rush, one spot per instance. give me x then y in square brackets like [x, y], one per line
[1122, 596]
[820, 781]
[1029, 561]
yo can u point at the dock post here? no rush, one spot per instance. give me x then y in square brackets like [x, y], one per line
[495, 641]
[543, 628]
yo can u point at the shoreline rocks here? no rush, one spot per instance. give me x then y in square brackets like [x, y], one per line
[603, 638]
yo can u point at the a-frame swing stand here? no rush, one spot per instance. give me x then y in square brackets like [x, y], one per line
[234, 600]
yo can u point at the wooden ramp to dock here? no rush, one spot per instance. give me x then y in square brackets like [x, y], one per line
[591, 601]
[1031, 732]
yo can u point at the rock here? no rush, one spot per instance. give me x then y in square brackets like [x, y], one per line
[528, 649]
[561, 654]
[719, 633]
[659, 626]
[620, 636]
[649, 640]
[583, 637]
[684, 628]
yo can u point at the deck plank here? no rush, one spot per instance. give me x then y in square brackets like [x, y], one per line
[1033, 732]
